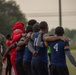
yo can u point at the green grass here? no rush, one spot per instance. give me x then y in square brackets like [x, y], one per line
[73, 47]
[72, 69]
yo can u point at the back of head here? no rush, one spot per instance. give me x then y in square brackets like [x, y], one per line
[43, 25]
[32, 22]
[59, 31]
[29, 29]
[8, 36]
[36, 27]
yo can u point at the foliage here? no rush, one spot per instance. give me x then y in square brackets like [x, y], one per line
[9, 14]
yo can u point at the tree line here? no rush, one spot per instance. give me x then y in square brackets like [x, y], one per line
[9, 14]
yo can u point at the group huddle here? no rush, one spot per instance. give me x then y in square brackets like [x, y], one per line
[28, 49]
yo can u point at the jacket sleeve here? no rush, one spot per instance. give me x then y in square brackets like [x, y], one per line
[71, 58]
[30, 46]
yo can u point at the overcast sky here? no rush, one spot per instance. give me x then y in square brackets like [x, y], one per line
[39, 9]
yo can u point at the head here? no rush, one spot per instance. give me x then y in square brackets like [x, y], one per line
[19, 25]
[32, 22]
[44, 26]
[36, 27]
[29, 29]
[8, 37]
[59, 31]
[18, 31]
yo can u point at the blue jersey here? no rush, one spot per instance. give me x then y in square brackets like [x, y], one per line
[27, 56]
[35, 38]
[58, 49]
[20, 52]
[42, 50]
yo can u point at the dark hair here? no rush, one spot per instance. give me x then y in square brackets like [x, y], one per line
[8, 36]
[32, 22]
[36, 27]
[29, 29]
[59, 31]
[43, 25]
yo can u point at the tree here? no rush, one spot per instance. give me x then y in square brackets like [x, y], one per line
[9, 14]
[52, 31]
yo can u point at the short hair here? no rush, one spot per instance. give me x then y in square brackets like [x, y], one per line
[8, 36]
[36, 27]
[32, 22]
[29, 29]
[43, 25]
[59, 31]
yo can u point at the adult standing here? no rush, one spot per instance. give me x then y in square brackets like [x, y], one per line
[9, 65]
[59, 49]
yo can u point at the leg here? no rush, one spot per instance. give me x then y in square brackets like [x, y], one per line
[27, 67]
[34, 67]
[62, 70]
[19, 67]
[43, 68]
[53, 70]
[13, 60]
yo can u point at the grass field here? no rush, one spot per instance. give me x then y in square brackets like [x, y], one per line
[72, 69]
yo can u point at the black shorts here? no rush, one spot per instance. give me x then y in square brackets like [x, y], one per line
[59, 70]
[39, 68]
[27, 67]
[19, 67]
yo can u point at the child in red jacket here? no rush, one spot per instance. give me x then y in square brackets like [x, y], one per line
[18, 29]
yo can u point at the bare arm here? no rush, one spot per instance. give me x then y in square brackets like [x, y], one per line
[22, 42]
[54, 38]
[9, 49]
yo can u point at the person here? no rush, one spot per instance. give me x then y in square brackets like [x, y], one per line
[18, 29]
[32, 22]
[9, 66]
[2, 51]
[8, 40]
[39, 63]
[19, 55]
[49, 58]
[49, 50]
[49, 55]
[59, 49]
[27, 55]
[42, 63]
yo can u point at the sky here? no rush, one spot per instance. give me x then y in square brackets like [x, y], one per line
[47, 10]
